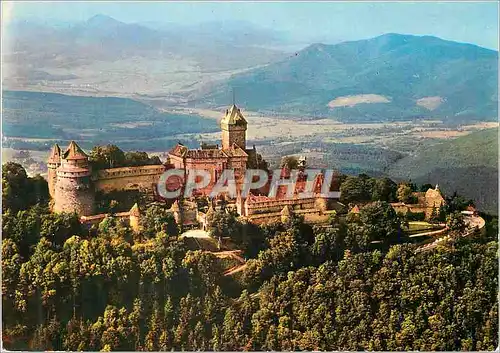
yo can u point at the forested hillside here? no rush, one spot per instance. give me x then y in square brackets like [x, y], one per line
[467, 165]
[35, 120]
[68, 288]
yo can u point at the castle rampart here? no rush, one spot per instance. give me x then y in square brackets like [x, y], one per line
[254, 204]
[127, 178]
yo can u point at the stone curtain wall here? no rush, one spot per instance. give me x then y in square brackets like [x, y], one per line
[276, 205]
[128, 178]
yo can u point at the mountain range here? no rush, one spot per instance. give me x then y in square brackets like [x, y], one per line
[104, 38]
[386, 78]
[104, 56]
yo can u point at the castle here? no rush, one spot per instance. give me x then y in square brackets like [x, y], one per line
[232, 155]
[73, 185]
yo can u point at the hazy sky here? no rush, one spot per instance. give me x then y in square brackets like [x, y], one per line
[472, 22]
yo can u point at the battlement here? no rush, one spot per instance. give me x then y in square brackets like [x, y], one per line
[263, 204]
[123, 172]
[72, 173]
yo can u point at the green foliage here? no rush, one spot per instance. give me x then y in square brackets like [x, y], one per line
[377, 221]
[156, 219]
[110, 156]
[20, 191]
[364, 188]
[457, 203]
[455, 221]
[289, 162]
[353, 189]
[122, 200]
[384, 189]
[405, 193]
[256, 161]
[304, 288]
[137, 158]
[416, 216]
[225, 224]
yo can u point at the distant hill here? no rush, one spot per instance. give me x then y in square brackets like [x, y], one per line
[105, 38]
[468, 165]
[390, 77]
[109, 57]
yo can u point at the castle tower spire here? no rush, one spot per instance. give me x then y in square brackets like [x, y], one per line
[234, 128]
[74, 152]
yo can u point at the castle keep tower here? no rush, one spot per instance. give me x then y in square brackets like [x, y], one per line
[73, 191]
[234, 129]
[52, 164]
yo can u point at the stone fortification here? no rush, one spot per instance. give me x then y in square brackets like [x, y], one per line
[73, 185]
[127, 178]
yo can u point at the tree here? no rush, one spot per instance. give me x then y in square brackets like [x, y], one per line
[140, 158]
[204, 269]
[256, 161]
[19, 191]
[329, 244]
[353, 189]
[157, 219]
[456, 203]
[109, 156]
[434, 217]
[289, 162]
[426, 187]
[225, 224]
[384, 189]
[379, 221]
[404, 193]
[455, 222]
[58, 227]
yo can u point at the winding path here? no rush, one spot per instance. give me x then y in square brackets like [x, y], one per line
[473, 223]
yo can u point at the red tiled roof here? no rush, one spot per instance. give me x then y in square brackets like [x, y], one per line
[74, 152]
[55, 154]
[206, 154]
[179, 150]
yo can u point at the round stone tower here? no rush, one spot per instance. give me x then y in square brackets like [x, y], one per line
[73, 189]
[53, 163]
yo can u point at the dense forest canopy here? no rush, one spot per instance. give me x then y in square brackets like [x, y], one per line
[305, 287]
[111, 156]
